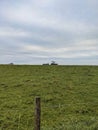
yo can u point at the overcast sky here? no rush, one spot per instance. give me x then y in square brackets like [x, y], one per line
[39, 31]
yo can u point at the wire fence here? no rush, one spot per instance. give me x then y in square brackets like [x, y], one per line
[24, 117]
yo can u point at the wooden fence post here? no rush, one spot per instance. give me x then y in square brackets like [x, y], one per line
[37, 113]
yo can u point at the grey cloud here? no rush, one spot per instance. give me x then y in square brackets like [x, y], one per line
[55, 29]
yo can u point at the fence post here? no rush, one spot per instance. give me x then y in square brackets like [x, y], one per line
[37, 113]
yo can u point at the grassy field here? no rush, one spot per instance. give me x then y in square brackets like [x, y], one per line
[69, 97]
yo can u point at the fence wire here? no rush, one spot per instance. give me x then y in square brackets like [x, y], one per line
[26, 115]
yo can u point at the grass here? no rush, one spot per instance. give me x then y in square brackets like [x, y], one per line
[69, 97]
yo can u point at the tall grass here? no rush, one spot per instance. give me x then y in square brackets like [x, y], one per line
[69, 97]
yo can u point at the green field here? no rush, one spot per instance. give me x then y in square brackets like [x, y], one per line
[69, 97]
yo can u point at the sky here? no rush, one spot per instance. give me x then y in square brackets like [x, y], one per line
[41, 31]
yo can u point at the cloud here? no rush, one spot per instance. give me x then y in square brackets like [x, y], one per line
[50, 29]
[11, 32]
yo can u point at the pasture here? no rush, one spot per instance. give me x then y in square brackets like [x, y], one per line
[69, 97]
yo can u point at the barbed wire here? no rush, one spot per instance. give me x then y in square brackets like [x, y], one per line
[54, 106]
